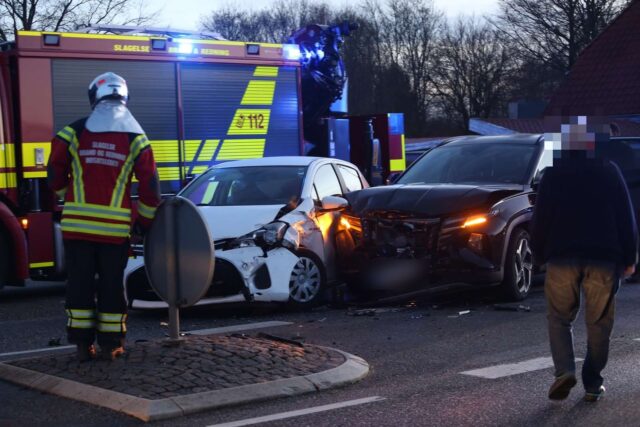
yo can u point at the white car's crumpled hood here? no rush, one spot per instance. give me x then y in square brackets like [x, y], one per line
[234, 221]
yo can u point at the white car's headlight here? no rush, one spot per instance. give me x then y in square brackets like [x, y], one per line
[272, 233]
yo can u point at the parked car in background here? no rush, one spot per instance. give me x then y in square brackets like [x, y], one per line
[273, 222]
[459, 216]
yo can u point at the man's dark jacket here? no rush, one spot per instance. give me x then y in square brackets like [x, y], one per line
[583, 210]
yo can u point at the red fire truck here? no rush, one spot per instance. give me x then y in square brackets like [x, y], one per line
[200, 101]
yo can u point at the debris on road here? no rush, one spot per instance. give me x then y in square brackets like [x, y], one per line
[54, 342]
[511, 307]
[372, 311]
[459, 314]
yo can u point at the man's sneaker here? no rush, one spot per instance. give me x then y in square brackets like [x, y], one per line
[111, 353]
[594, 396]
[562, 386]
[85, 352]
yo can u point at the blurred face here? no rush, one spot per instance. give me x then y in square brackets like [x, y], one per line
[576, 135]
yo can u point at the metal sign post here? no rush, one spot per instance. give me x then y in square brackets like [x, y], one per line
[179, 258]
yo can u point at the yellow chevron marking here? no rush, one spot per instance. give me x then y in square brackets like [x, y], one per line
[234, 149]
[259, 92]
[250, 122]
[165, 151]
[169, 174]
[209, 149]
[262, 71]
[190, 149]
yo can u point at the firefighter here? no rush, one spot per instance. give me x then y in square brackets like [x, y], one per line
[91, 165]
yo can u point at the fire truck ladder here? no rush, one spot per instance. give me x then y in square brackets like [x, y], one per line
[167, 32]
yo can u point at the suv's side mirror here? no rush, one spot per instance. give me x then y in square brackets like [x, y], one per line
[334, 203]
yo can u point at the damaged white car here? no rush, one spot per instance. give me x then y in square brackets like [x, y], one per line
[274, 222]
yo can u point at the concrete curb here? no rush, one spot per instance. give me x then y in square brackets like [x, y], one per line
[351, 371]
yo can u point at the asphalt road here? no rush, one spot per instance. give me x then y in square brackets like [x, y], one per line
[417, 350]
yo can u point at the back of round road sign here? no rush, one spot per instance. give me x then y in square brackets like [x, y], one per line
[178, 253]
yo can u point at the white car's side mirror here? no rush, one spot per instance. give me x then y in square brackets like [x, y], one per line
[333, 203]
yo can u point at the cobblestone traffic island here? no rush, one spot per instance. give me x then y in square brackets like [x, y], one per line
[153, 381]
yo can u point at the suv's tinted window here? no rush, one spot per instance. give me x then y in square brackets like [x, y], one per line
[472, 163]
[326, 183]
[350, 177]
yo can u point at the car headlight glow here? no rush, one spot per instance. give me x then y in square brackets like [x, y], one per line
[474, 220]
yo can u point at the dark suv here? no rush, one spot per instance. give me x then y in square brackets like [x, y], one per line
[458, 216]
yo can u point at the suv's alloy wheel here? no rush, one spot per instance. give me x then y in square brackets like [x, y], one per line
[518, 272]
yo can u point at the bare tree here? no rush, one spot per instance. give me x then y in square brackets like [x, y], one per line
[406, 34]
[473, 71]
[65, 15]
[554, 31]
[274, 24]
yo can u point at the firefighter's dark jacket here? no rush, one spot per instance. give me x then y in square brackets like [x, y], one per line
[583, 210]
[93, 171]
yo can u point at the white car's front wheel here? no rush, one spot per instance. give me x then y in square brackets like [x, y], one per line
[306, 284]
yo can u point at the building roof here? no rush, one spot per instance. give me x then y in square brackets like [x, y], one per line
[499, 126]
[605, 78]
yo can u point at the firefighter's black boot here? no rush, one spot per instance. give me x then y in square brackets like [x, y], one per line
[85, 352]
[111, 353]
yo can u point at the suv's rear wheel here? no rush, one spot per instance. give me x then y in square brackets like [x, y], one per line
[307, 281]
[518, 269]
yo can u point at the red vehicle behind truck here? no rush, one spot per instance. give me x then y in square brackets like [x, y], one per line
[200, 102]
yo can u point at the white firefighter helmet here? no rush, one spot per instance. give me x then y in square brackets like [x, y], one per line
[108, 86]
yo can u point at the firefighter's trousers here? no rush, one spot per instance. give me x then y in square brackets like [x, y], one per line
[96, 302]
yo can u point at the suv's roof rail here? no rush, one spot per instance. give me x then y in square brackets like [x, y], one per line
[168, 32]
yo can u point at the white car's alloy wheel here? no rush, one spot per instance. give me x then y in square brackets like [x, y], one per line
[305, 282]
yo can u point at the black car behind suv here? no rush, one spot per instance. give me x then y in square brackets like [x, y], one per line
[458, 216]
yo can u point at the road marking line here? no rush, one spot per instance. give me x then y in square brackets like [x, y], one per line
[509, 369]
[291, 414]
[40, 350]
[236, 328]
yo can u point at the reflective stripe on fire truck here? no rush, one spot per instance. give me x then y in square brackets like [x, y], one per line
[234, 149]
[81, 319]
[262, 71]
[259, 92]
[146, 211]
[112, 322]
[8, 176]
[137, 145]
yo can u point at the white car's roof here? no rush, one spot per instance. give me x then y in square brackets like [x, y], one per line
[271, 161]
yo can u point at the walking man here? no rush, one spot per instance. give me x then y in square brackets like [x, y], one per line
[91, 165]
[584, 229]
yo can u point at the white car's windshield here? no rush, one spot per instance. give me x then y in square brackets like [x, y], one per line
[484, 163]
[243, 186]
